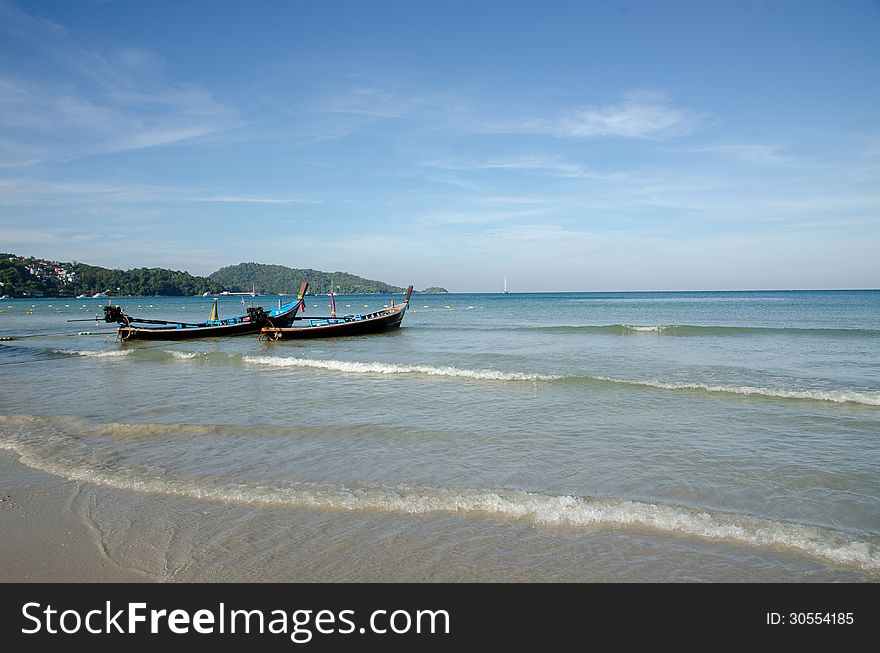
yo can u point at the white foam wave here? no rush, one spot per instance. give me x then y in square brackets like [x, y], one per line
[648, 329]
[45, 445]
[353, 367]
[868, 398]
[93, 354]
[51, 453]
[182, 355]
[123, 430]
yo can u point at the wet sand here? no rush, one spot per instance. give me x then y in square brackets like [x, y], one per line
[57, 530]
[42, 539]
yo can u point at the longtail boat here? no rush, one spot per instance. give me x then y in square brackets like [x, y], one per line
[255, 319]
[346, 325]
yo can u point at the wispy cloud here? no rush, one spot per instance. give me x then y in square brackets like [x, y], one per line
[455, 180]
[373, 102]
[15, 236]
[87, 102]
[252, 199]
[539, 249]
[871, 148]
[536, 164]
[752, 153]
[639, 115]
[534, 233]
[16, 191]
[57, 121]
[477, 216]
[811, 204]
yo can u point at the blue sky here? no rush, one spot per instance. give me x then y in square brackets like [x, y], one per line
[566, 145]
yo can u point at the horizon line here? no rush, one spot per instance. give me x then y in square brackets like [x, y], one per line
[477, 292]
[462, 292]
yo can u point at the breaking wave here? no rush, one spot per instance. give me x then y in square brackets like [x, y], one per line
[44, 445]
[184, 355]
[839, 396]
[707, 330]
[93, 354]
[354, 367]
[868, 398]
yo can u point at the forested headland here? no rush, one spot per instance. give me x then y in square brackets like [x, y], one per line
[35, 277]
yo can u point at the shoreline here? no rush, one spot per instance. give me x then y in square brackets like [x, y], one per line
[42, 538]
[46, 536]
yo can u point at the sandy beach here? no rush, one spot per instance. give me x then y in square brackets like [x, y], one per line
[42, 537]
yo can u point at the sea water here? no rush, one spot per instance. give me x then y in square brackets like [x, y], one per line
[531, 437]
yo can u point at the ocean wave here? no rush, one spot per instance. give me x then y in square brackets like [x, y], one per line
[124, 430]
[838, 396]
[354, 367]
[93, 354]
[868, 398]
[683, 330]
[184, 355]
[47, 452]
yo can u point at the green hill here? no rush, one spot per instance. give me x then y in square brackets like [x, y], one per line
[274, 279]
[35, 277]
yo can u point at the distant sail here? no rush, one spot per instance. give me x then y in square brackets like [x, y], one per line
[505, 285]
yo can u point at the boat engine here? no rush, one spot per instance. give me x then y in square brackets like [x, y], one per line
[114, 314]
[257, 315]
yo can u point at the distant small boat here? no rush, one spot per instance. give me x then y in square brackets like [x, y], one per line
[99, 295]
[346, 325]
[252, 293]
[83, 296]
[505, 285]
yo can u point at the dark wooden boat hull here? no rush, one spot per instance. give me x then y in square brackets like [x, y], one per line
[185, 333]
[255, 320]
[373, 323]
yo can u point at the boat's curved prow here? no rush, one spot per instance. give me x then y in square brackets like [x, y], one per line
[347, 325]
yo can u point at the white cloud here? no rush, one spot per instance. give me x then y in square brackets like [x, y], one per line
[835, 205]
[88, 102]
[752, 153]
[634, 118]
[18, 191]
[529, 163]
[476, 216]
[59, 121]
[253, 199]
[13, 237]
[538, 245]
[381, 102]
[641, 114]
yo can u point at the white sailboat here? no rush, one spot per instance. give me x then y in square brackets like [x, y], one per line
[505, 285]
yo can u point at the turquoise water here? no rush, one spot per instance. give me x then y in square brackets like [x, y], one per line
[567, 436]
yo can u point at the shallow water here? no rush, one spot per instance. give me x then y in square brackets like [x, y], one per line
[570, 436]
